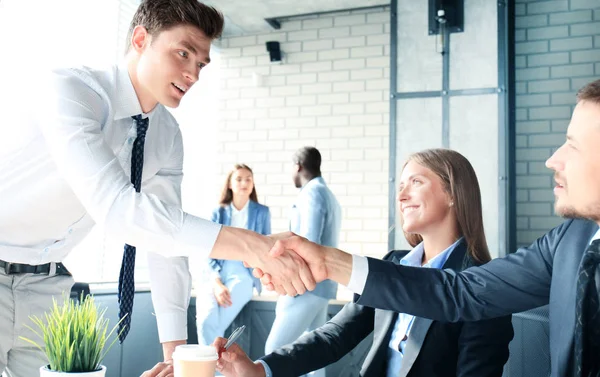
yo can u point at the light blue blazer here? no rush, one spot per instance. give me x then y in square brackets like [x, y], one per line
[317, 216]
[259, 221]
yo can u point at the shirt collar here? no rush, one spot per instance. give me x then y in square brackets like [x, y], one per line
[241, 211]
[415, 256]
[126, 101]
[314, 181]
[596, 236]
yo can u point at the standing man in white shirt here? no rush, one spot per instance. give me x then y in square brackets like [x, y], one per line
[99, 147]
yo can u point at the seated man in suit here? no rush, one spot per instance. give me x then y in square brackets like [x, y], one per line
[561, 268]
[441, 214]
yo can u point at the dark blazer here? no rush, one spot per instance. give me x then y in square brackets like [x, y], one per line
[433, 349]
[259, 221]
[543, 273]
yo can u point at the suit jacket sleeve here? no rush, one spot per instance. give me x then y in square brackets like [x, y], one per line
[325, 345]
[483, 347]
[512, 284]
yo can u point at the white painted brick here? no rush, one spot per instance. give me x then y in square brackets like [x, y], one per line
[354, 224]
[377, 131]
[334, 76]
[229, 94]
[383, 39]
[368, 166]
[378, 108]
[256, 113]
[349, 42]
[242, 41]
[254, 92]
[382, 84]
[242, 103]
[315, 110]
[290, 47]
[292, 145]
[367, 119]
[301, 122]
[366, 96]
[317, 23]
[246, 61]
[270, 145]
[354, 19]
[280, 156]
[348, 64]
[289, 25]
[228, 53]
[334, 54]
[237, 83]
[237, 146]
[317, 133]
[333, 98]
[376, 154]
[300, 100]
[378, 62]
[254, 50]
[319, 45]
[332, 143]
[285, 69]
[301, 57]
[316, 67]
[270, 102]
[354, 108]
[350, 86]
[338, 120]
[366, 74]
[368, 189]
[302, 35]
[248, 71]
[348, 132]
[238, 125]
[379, 18]
[364, 236]
[230, 115]
[369, 29]
[227, 73]
[284, 134]
[361, 52]
[269, 124]
[334, 32]
[348, 201]
[316, 88]
[284, 112]
[279, 37]
[285, 91]
[366, 142]
[347, 155]
[303, 78]
[348, 177]
[227, 136]
[364, 213]
[253, 135]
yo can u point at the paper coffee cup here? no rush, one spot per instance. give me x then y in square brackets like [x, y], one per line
[193, 360]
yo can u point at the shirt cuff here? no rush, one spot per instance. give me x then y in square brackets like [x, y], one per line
[360, 271]
[200, 233]
[172, 326]
[268, 372]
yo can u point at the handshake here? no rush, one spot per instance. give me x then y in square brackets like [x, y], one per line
[294, 264]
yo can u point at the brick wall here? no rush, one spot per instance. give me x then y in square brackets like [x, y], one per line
[557, 52]
[331, 92]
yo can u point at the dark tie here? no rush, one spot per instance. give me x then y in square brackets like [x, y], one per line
[126, 281]
[587, 315]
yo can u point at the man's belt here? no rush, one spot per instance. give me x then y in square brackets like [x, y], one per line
[41, 269]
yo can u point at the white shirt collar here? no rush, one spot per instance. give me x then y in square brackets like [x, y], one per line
[415, 256]
[596, 236]
[241, 211]
[125, 99]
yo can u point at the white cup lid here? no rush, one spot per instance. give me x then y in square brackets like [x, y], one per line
[195, 352]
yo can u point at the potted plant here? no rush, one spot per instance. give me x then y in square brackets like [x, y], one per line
[74, 336]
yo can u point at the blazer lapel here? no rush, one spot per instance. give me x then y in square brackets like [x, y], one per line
[227, 217]
[252, 214]
[418, 332]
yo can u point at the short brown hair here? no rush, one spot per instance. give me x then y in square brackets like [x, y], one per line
[460, 182]
[160, 15]
[590, 92]
[227, 193]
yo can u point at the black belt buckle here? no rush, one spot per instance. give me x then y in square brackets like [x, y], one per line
[7, 268]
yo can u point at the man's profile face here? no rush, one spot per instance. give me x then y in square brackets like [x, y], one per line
[296, 175]
[576, 165]
[170, 63]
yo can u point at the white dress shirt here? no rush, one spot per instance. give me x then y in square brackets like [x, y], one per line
[239, 218]
[65, 165]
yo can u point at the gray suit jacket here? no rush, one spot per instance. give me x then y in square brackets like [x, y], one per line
[543, 273]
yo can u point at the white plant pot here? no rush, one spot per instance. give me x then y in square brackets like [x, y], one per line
[45, 372]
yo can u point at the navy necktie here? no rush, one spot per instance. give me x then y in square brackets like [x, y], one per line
[126, 281]
[587, 314]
